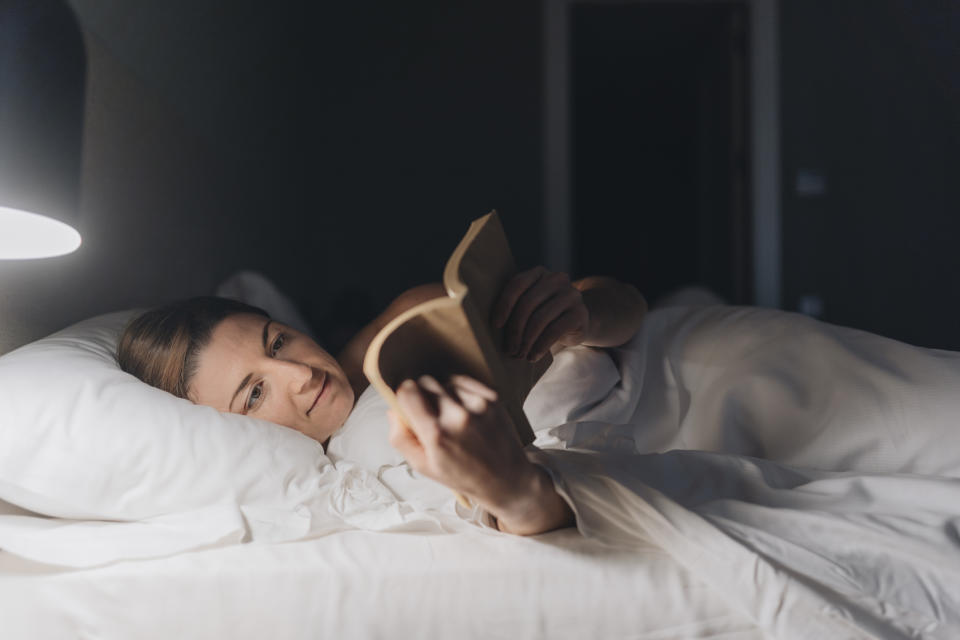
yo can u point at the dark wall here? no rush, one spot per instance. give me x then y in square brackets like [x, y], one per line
[424, 116]
[870, 103]
[356, 140]
[353, 142]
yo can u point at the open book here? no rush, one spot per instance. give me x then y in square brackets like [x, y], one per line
[455, 334]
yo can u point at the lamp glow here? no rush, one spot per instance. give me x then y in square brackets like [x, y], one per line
[26, 235]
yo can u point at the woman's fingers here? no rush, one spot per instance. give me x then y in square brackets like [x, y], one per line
[566, 324]
[451, 413]
[511, 293]
[473, 400]
[546, 316]
[422, 415]
[403, 440]
[529, 303]
[432, 409]
[473, 385]
[548, 287]
[446, 404]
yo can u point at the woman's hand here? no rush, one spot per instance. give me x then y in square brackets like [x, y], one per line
[538, 309]
[542, 310]
[462, 437]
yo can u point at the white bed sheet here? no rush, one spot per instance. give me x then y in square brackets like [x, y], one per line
[359, 584]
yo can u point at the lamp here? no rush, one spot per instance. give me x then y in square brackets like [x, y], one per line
[42, 74]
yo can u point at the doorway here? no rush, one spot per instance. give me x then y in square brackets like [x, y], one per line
[659, 166]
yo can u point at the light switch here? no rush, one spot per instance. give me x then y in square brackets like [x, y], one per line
[811, 305]
[810, 183]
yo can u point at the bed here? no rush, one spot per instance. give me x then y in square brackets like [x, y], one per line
[735, 473]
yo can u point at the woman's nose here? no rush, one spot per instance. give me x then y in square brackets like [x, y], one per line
[298, 374]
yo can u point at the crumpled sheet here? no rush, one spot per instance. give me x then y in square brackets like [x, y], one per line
[823, 497]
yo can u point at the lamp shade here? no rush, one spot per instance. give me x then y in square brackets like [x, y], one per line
[42, 79]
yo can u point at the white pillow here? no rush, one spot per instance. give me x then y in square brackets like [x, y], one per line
[365, 436]
[122, 470]
[79, 438]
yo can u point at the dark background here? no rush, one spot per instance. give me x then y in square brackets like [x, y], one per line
[660, 167]
[359, 139]
[871, 97]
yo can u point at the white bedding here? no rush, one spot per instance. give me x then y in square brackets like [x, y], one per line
[361, 584]
[848, 528]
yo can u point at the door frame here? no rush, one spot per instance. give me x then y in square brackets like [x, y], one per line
[764, 143]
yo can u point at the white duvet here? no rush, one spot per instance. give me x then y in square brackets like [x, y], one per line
[824, 500]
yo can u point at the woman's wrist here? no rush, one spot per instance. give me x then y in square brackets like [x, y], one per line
[533, 507]
[615, 309]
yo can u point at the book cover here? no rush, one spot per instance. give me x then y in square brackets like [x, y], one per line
[454, 334]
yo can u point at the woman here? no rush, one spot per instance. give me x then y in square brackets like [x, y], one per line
[233, 357]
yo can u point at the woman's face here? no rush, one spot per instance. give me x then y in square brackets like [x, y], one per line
[261, 368]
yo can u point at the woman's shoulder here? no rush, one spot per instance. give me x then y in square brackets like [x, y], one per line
[351, 356]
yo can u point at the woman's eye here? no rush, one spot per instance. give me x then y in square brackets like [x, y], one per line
[277, 344]
[255, 394]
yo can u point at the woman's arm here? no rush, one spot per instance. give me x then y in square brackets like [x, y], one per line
[616, 310]
[351, 356]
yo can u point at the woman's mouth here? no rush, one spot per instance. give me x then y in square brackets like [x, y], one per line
[323, 386]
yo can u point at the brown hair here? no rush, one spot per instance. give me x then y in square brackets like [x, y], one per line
[161, 346]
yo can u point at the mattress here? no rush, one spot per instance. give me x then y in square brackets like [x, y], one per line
[360, 584]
